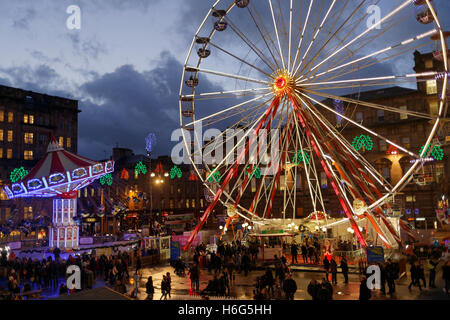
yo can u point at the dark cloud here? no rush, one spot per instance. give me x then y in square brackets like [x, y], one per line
[88, 48]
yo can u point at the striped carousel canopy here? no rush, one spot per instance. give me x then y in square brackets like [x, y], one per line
[58, 173]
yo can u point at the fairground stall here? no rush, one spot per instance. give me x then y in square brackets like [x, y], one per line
[59, 175]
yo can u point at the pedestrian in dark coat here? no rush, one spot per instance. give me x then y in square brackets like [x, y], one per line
[333, 268]
[313, 289]
[344, 267]
[364, 291]
[294, 252]
[289, 288]
[149, 289]
[304, 253]
[326, 266]
[446, 276]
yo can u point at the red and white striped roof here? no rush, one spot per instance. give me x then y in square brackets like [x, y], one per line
[57, 160]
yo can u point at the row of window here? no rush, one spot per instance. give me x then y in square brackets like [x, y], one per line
[29, 119]
[27, 154]
[29, 138]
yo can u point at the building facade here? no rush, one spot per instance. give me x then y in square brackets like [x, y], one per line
[26, 120]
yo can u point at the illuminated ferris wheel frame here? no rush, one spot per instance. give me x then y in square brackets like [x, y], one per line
[288, 86]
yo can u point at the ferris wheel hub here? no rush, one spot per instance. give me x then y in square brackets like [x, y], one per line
[283, 82]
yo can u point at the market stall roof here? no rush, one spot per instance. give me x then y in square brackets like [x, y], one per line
[284, 234]
[58, 173]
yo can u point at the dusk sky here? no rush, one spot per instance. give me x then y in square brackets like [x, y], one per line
[124, 64]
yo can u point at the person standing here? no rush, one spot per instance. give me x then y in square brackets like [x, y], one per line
[421, 274]
[364, 291]
[333, 268]
[414, 276]
[344, 267]
[289, 287]
[149, 289]
[304, 253]
[326, 266]
[313, 289]
[294, 252]
[164, 288]
[169, 283]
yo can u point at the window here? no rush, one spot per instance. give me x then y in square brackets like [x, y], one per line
[187, 203]
[10, 135]
[10, 117]
[69, 143]
[171, 205]
[61, 142]
[201, 202]
[429, 64]
[9, 154]
[2, 115]
[1, 134]
[431, 87]
[359, 117]
[323, 180]
[1, 153]
[380, 115]
[135, 175]
[28, 118]
[406, 142]
[383, 146]
[410, 198]
[28, 155]
[29, 137]
[402, 115]
[28, 212]
[434, 108]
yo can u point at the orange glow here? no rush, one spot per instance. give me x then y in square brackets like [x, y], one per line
[280, 83]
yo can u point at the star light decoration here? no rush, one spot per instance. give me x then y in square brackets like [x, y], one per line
[124, 175]
[140, 168]
[106, 179]
[150, 142]
[175, 172]
[18, 174]
[436, 153]
[301, 156]
[216, 176]
[363, 142]
[256, 172]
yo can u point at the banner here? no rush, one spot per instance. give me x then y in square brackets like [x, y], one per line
[375, 254]
[175, 250]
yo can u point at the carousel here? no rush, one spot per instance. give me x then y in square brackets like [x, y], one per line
[59, 175]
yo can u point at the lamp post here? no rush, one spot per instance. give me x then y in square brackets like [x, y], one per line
[150, 142]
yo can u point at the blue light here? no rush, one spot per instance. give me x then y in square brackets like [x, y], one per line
[150, 142]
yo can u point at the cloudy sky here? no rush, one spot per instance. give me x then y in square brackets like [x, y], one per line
[124, 64]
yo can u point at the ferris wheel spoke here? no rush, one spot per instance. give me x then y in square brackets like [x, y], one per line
[228, 75]
[229, 109]
[329, 39]
[225, 93]
[372, 105]
[375, 25]
[374, 54]
[384, 78]
[315, 36]
[361, 126]
[250, 44]
[290, 32]
[239, 59]
[303, 33]
[276, 34]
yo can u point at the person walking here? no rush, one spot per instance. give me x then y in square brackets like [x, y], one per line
[164, 288]
[391, 275]
[421, 274]
[432, 264]
[169, 284]
[344, 268]
[289, 287]
[149, 289]
[414, 276]
[333, 268]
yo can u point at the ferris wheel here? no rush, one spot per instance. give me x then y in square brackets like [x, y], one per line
[280, 82]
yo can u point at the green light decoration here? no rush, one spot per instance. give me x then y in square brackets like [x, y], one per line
[140, 168]
[18, 174]
[436, 153]
[301, 157]
[216, 176]
[363, 142]
[255, 173]
[106, 179]
[175, 172]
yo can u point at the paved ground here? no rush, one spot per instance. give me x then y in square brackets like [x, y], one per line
[242, 288]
